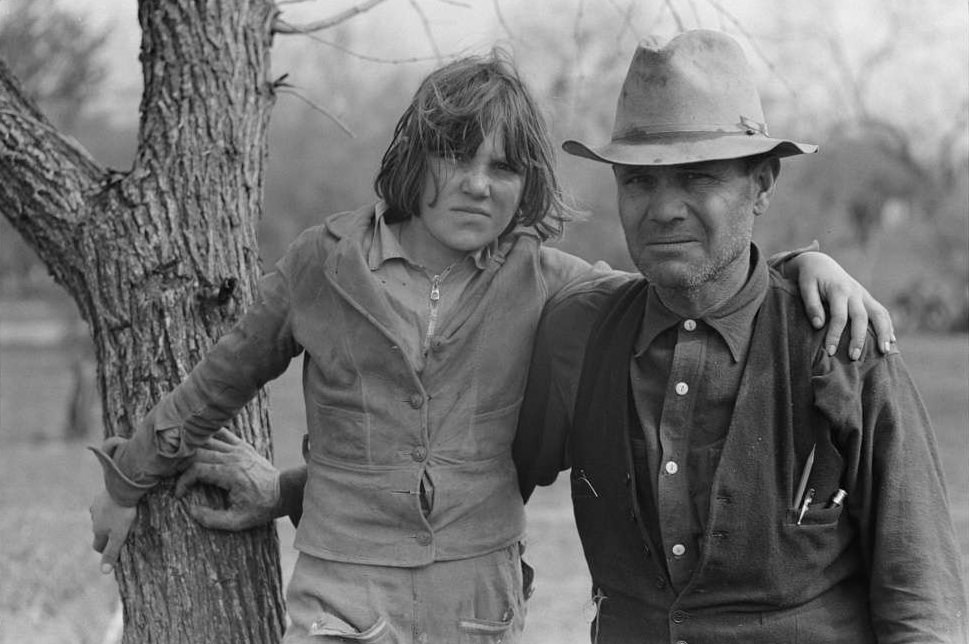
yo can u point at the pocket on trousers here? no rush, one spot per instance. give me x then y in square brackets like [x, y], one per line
[332, 626]
[485, 630]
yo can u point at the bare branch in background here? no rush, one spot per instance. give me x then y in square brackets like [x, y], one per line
[753, 43]
[280, 26]
[463, 5]
[676, 15]
[849, 80]
[372, 59]
[280, 3]
[330, 115]
[501, 19]
[626, 15]
[696, 13]
[427, 30]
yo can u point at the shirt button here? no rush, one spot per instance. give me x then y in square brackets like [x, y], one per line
[672, 467]
[680, 641]
[681, 388]
[689, 325]
[424, 539]
[419, 454]
[678, 616]
[679, 550]
[416, 400]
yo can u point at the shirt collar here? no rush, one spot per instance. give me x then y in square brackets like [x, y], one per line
[733, 321]
[385, 244]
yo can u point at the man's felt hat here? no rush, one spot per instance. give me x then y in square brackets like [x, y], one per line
[692, 100]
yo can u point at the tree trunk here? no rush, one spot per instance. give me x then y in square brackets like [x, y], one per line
[161, 260]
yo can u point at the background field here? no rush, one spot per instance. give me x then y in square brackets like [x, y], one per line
[50, 587]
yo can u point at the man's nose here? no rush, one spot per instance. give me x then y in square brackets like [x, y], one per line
[666, 205]
[475, 181]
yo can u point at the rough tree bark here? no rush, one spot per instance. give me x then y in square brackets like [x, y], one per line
[161, 260]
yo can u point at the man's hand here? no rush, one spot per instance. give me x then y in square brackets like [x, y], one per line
[252, 482]
[110, 523]
[822, 278]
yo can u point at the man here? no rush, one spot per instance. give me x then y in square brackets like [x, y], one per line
[733, 478]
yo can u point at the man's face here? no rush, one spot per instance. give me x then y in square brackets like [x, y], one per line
[690, 225]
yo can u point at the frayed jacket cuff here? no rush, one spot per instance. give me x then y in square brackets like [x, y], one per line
[134, 466]
[122, 489]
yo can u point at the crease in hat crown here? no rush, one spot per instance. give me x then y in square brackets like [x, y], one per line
[692, 100]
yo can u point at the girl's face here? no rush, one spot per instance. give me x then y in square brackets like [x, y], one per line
[467, 202]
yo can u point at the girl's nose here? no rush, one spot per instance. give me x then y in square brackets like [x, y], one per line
[475, 182]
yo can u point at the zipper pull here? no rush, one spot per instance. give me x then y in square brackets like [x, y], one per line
[436, 288]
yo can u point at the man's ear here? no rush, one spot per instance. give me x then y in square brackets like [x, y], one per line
[765, 180]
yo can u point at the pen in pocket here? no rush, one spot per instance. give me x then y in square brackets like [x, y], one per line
[805, 475]
[837, 498]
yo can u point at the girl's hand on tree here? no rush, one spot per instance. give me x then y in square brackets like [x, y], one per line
[111, 523]
[821, 279]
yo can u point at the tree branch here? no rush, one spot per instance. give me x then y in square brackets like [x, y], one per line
[46, 179]
[501, 19]
[736, 23]
[321, 110]
[280, 26]
[428, 31]
[676, 16]
[372, 59]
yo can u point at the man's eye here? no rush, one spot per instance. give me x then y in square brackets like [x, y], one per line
[638, 180]
[698, 178]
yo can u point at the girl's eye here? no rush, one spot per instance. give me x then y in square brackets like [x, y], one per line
[505, 166]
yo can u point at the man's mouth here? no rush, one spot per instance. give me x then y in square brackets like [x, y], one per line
[669, 241]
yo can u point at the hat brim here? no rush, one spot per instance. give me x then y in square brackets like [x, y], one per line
[677, 148]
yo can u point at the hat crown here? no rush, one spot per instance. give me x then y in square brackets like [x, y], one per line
[699, 82]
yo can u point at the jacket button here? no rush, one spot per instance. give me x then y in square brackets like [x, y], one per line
[424, 539]
[678, 616]
[416, 400]
[419, 454]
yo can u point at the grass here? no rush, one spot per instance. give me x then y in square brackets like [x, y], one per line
[50, 587]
